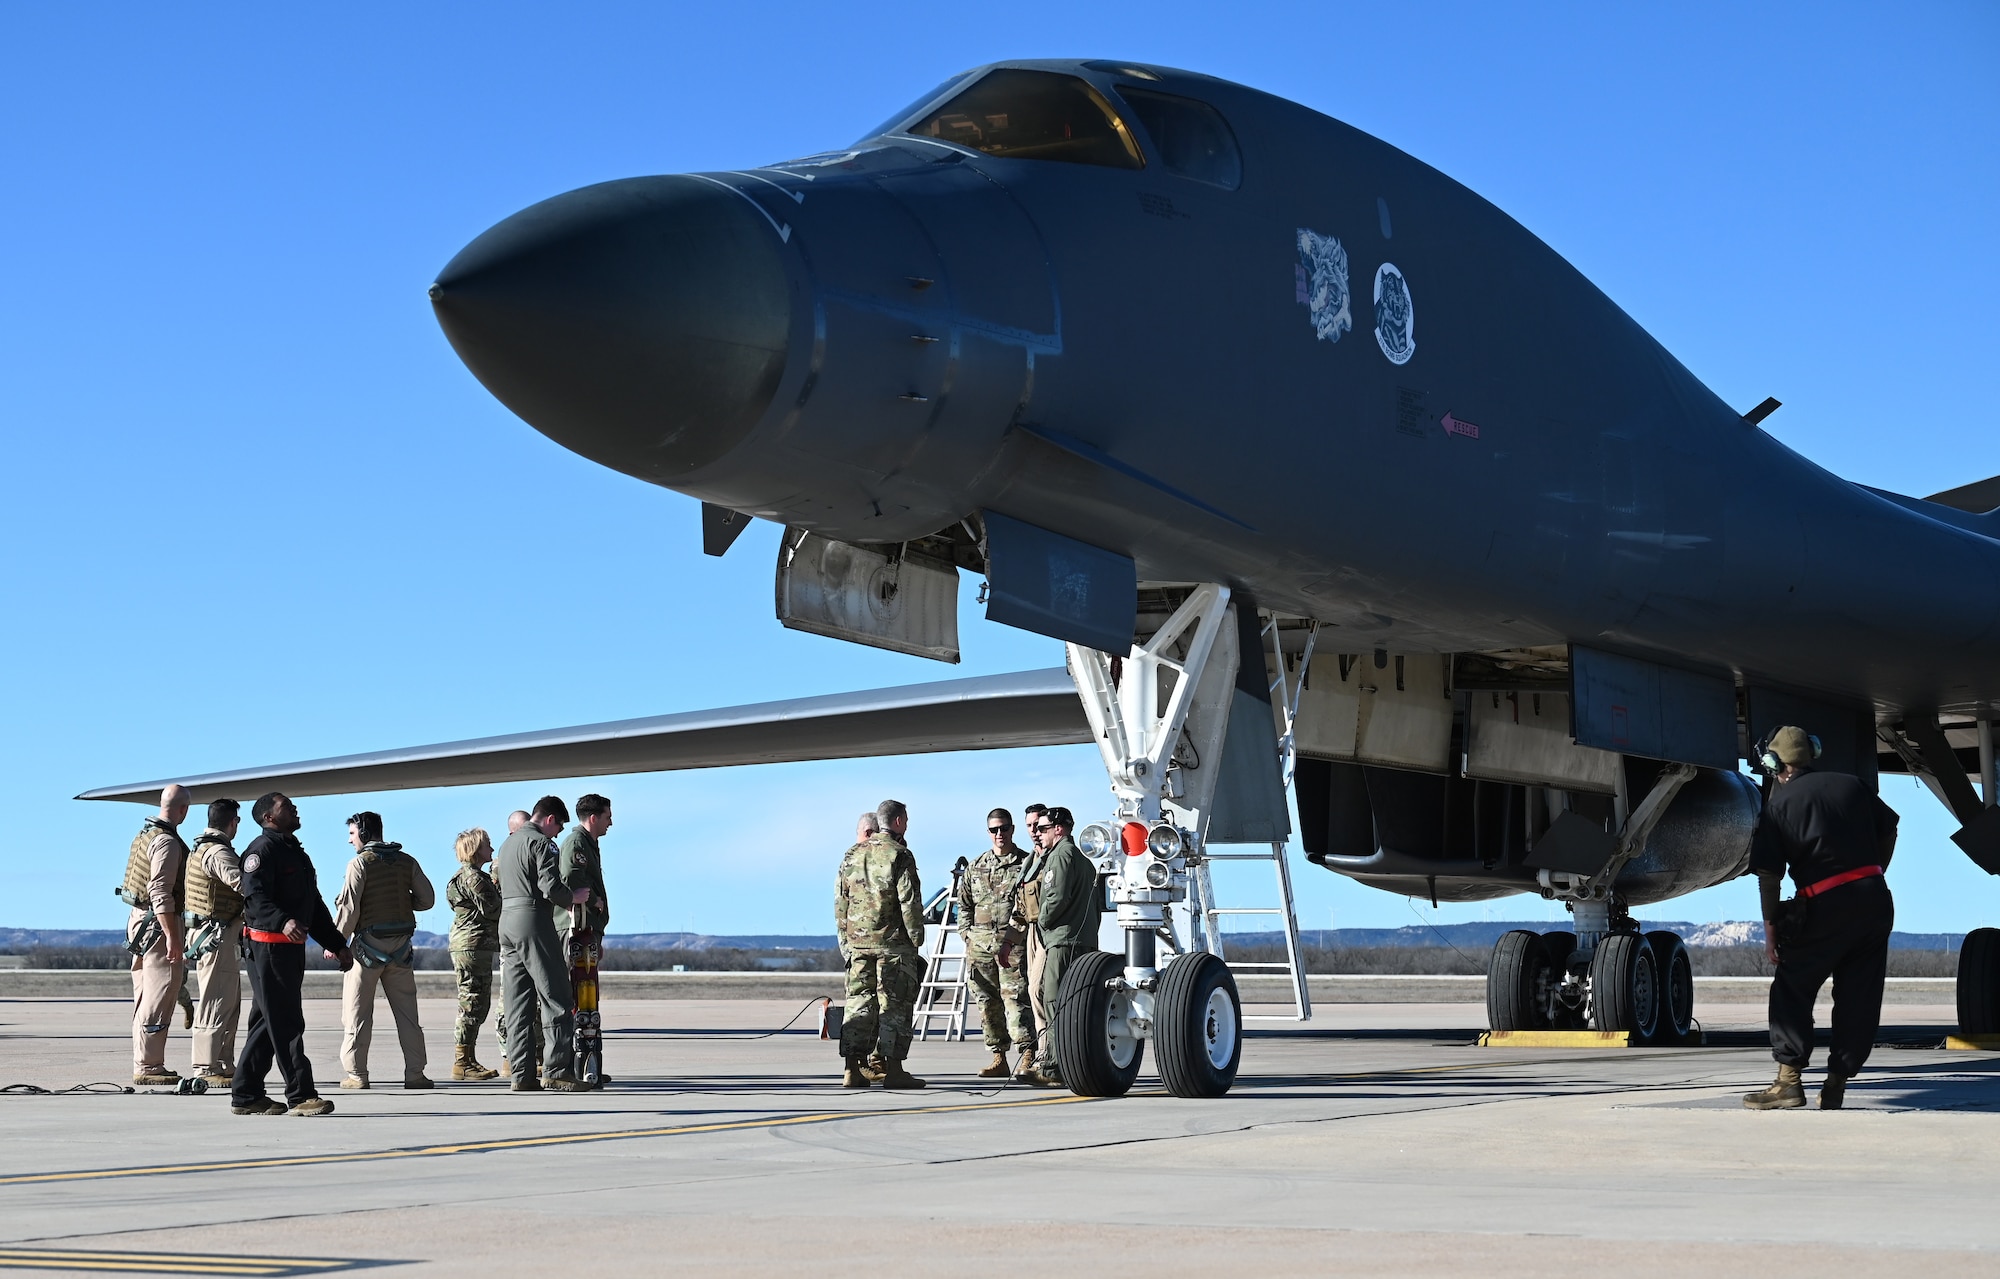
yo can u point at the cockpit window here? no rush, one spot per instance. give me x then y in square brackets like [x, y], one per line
[890, 124]
[1035, 115]
[1192, 137]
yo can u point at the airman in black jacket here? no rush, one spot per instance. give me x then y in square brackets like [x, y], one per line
[282, 908]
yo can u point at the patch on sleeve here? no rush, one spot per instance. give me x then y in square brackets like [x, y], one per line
[252, 862]
[1049, 877]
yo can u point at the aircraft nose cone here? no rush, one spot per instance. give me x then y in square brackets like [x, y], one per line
[641, 323]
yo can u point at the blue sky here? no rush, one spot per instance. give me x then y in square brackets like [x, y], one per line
[260, 512]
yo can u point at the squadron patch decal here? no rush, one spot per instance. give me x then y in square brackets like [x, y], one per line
[1395, 319]
[1322, 284]
[252, 862]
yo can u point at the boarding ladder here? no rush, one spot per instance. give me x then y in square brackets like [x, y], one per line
[942, 999]
[1204, 912]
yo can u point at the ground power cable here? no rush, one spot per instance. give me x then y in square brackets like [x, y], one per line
[1440, 932]
[746, 1039]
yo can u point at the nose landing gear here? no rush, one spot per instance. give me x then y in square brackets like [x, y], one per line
[1173, 691]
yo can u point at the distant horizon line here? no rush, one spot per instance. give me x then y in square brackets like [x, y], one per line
[1448, 936]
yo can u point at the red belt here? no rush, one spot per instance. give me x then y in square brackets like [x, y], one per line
[1835, 881]
[270, 939]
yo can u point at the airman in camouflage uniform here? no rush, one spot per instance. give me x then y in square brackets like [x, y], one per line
[1000, 987]
[475, 947]
[1023, 910]
[878, 911]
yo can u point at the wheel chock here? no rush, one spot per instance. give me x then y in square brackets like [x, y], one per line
[1973, 1043]
[1585, 1039]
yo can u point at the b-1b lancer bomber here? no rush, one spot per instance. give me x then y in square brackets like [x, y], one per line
[1328, 473]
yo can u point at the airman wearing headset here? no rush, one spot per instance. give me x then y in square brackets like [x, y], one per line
[1835, 836]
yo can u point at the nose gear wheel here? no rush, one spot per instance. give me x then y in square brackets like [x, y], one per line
[1199, 1035]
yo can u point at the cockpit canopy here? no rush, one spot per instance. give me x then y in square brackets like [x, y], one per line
[1019, 113]
[1035, 115]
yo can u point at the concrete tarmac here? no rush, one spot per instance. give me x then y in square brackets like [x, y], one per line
[1375, 1140]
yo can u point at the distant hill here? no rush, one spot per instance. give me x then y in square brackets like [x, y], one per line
[1481, 936]
[1467, 937]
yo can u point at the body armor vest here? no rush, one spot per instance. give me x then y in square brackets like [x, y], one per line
[208, 896]
[139, 866]
[385, 890]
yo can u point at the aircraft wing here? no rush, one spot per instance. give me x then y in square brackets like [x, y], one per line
[1026, 708]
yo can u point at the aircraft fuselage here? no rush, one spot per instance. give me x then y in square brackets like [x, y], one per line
[1348, 385]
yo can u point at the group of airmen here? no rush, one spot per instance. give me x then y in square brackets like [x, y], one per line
[1025, 915]
[207, 905]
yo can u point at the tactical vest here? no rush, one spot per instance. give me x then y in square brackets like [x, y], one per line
[208, 896]
[139, 866]
[385, 889]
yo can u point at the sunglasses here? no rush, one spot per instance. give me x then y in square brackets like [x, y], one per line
[999, 830]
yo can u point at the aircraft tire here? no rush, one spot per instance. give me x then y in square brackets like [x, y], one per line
[1676, 970]
[1198, 1026]
[1516, 980]
[1098, 1058]
[1979, 982]
[1625, 986]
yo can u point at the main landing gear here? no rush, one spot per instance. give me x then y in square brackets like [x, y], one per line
[1606, 975]
[1640, 983]
[1109, 1005]
[1979, 982]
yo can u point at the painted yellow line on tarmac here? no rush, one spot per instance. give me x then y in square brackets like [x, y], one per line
[521, 1143]
[172, 1263]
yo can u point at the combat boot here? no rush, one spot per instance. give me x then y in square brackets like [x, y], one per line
[997, 1068]
[1785, 1093]
[564, 1083]
[895, 1077]
[261, 1106]
[465, 1066]
[525, 1083]
[354, 1083]
[872, 1067]
[1833, 1093]
[313, 1106]
[155, 1077]
[854, 1076]
[418, 1082]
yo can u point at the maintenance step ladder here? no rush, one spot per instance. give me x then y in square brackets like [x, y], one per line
[1205, 917]
[943, 999]
[1204, 912]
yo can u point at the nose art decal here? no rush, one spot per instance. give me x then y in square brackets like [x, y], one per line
[1322, 284]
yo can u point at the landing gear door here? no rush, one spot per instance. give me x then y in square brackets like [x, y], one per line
[1231, 785]
[886, 597]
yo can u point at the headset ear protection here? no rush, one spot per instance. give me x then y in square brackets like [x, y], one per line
[1769, 758]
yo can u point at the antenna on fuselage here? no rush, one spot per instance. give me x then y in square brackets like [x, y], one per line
[1767, 408]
